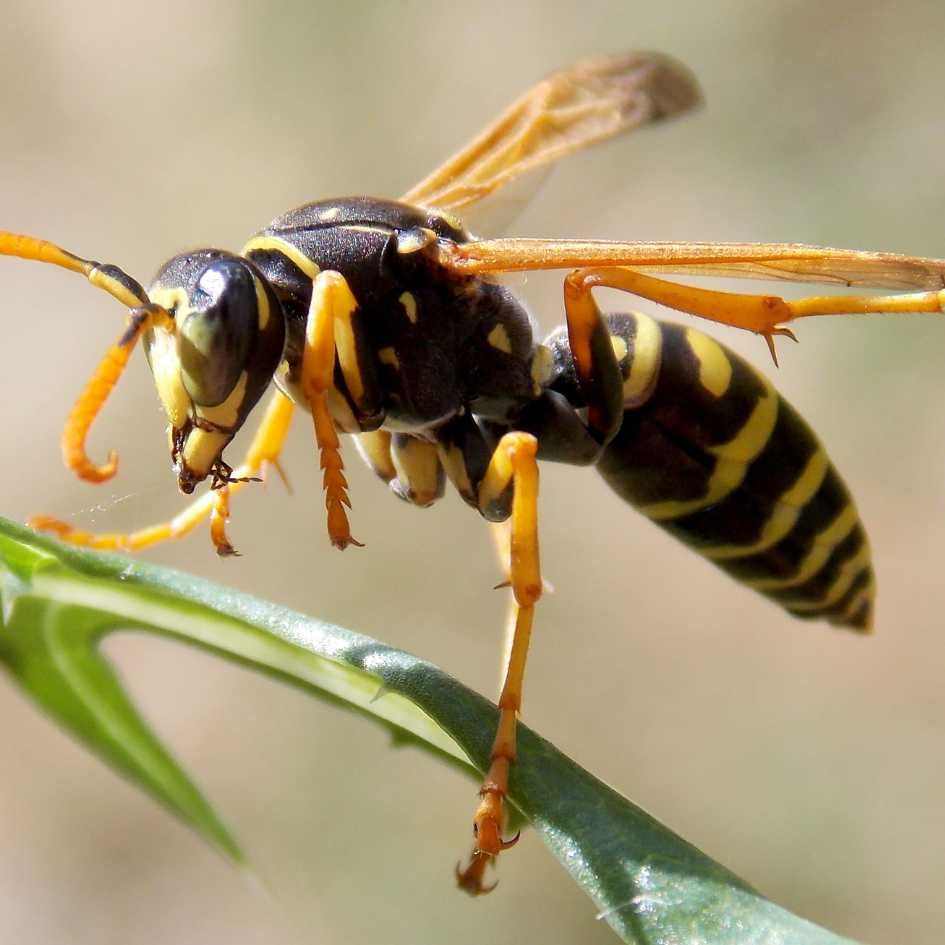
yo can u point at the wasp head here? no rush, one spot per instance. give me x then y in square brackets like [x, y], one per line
[210, 371]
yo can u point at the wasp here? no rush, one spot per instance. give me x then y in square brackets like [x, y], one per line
[386, 320]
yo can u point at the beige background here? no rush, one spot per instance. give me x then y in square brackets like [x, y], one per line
[809, 761]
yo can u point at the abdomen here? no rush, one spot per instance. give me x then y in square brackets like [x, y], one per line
[714, 455]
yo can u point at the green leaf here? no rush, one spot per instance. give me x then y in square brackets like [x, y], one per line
[58, 602]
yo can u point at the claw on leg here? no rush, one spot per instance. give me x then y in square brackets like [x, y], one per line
[219, 515]
[769, 337]
[764, 315]
[513, 461]
[487, 831]
[470, 877]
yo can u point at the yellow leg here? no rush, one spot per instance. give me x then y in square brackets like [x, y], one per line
[513, 462]
[763, 314]
[263, 452]
[501, 534]
[332, 304]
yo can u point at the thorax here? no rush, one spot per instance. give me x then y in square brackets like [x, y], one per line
[429, 343]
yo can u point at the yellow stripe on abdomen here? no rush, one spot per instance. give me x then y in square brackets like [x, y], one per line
[716, 457]
[849, 571]
[784, 515]
[715, 367]
[817, 557]
[731, 461]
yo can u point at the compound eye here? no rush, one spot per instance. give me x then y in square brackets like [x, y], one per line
[219, 331]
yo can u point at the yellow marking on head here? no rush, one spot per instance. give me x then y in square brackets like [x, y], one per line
[374, 448]
[202, 449]
[274, 244]
[784, 515]
[499, 339]
[715, 367]
[410, 306]
[731, 463]
[418, 467]
[638, 384]
[847, 573]
[330, 215]
[816, 558]
[262, 304]
[389, 356]
[540, 368]
[175, 300]
[165, 367]
[227, 414]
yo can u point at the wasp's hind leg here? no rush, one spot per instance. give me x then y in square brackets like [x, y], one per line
[764, 315]
[263, 453]
[514, 467]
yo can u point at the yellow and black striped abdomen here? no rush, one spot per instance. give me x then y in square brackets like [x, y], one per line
[712, 453]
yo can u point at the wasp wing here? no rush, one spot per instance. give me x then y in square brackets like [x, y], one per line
[790, 262]
[587, 102]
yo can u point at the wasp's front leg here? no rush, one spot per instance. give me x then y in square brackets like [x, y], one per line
[330, 335]
[263, 453]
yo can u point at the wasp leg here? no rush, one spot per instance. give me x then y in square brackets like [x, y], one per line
[420, 479]
[595, 362]
[513, 463]
[465, 449]
[263, 453]
[563, 436]
[331, 306]
[763, 314]
[408, 464]
[374, 448]
[465, 446]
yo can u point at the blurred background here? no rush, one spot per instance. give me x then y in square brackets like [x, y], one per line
[807, 760]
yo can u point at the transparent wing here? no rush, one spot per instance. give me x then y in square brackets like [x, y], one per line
[587, 102]
[790, 262]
